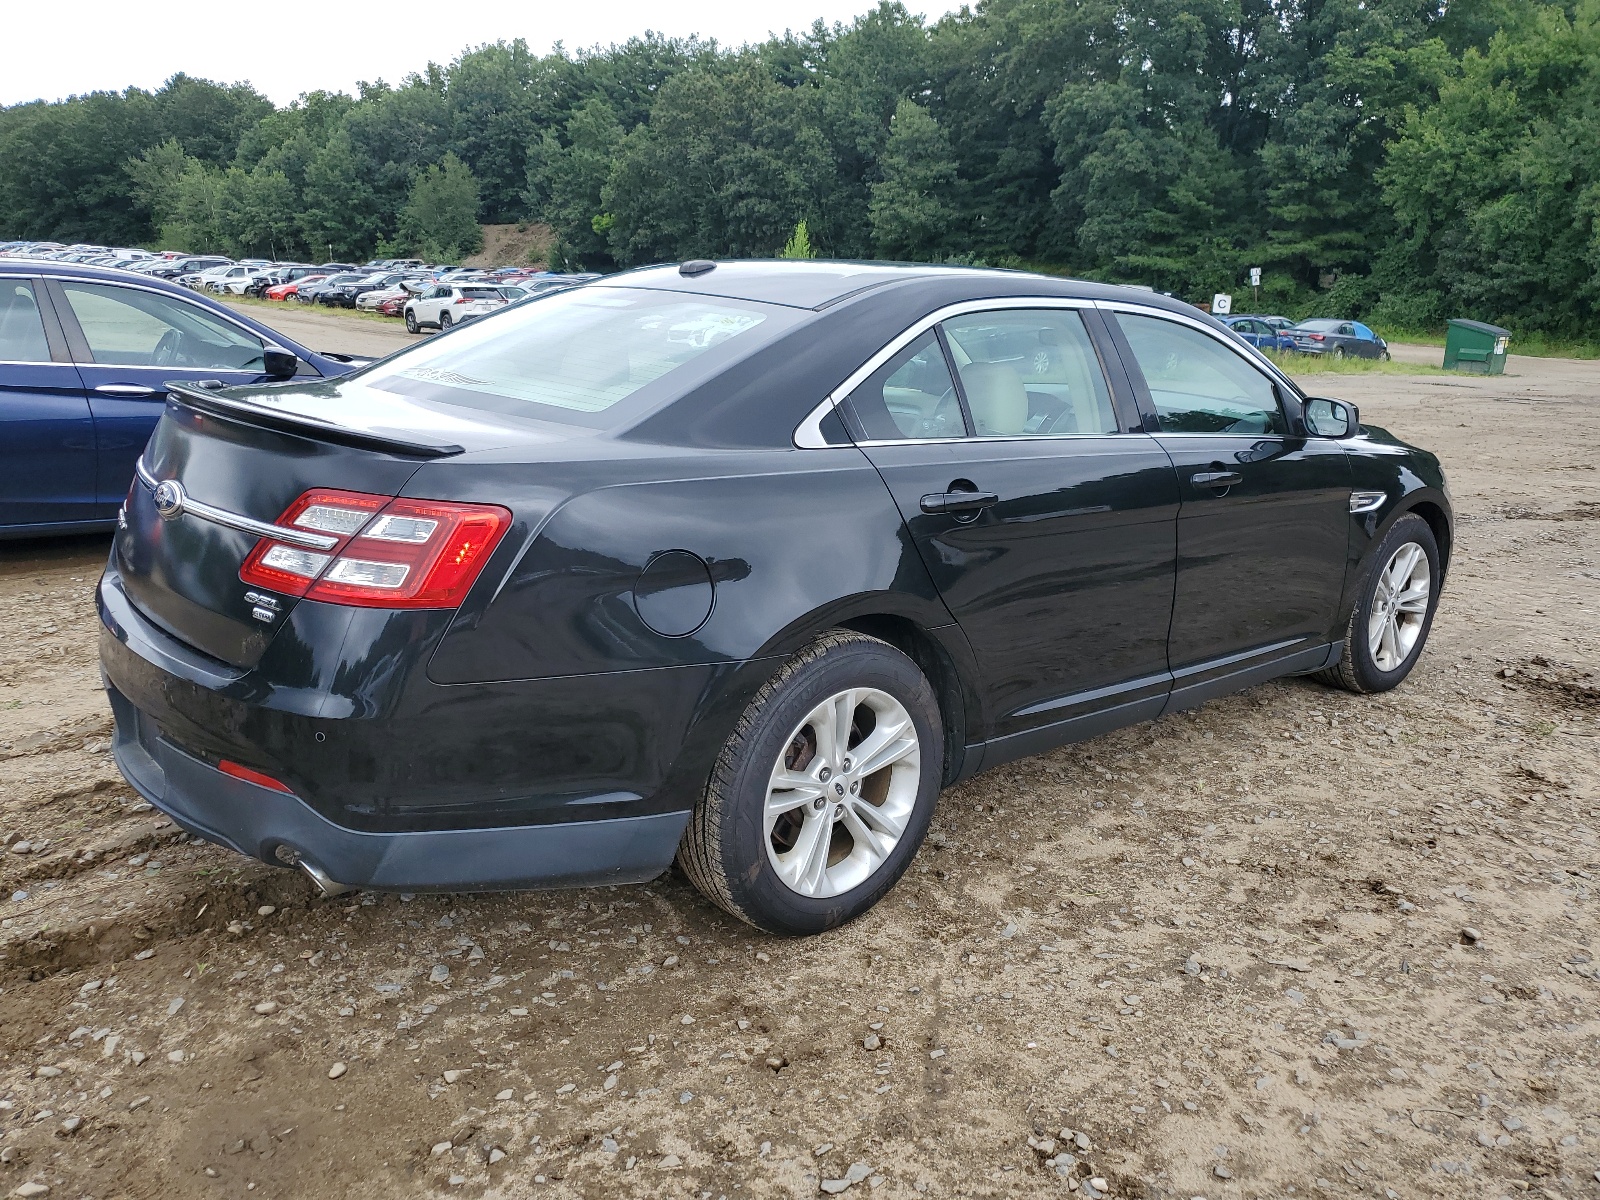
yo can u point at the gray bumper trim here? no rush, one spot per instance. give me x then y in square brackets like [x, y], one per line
[256, 821]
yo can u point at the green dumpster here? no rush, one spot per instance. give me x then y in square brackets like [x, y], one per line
[1475, 346]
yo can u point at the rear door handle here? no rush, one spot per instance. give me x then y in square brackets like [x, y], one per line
[1216, 479]
[958, 502]
[127, 389]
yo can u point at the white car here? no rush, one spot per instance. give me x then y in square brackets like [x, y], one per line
[203, 281]
[236, 280]
[444, 305]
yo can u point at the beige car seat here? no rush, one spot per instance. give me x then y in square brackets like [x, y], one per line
[997, 398]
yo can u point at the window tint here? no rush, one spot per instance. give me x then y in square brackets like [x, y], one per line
[129, 327]
[910, 396]
[1030, 372]
[1198, 384]
[21, 327]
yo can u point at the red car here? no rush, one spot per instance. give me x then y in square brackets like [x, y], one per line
[284, 291]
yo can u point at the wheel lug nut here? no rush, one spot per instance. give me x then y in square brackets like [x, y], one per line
[845, 764]
[838, 811]
[825, 774]
[855, 788]
[819, 803]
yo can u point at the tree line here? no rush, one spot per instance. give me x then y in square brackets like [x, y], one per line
[1399, 160]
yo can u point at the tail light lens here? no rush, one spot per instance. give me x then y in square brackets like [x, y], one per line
[399, 553]
[1318, 337]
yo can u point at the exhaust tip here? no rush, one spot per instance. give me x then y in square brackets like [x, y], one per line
[328, 887]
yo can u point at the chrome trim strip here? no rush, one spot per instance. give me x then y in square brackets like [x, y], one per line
[1227, 660]
[188, 505]
[1365, 502]
[810, 428]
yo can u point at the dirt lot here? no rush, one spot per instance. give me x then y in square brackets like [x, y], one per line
[1222, 955]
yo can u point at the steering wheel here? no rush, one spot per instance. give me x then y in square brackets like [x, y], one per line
[168, 352]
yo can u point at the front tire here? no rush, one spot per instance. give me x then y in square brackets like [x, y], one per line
[411, 322]
[1393, 612]
[823, 791]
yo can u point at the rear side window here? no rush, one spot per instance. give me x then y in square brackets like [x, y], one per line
[127, 326]
[580, 351]
[910, 396]
[1197, 384]
[21, 327]
[1030, 372]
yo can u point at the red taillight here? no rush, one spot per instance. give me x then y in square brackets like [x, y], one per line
[461, 299]
[240, 771]
[399, 553]
[1318, 337]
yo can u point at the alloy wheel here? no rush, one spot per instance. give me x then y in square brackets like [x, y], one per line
[842, 792]
[1399, 607]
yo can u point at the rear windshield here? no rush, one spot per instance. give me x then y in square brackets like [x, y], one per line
[481, 293]
[578, 353]
[1322, 324]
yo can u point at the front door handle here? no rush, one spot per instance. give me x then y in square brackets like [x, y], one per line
[127, 389]
[958, 502]
[1216, 479]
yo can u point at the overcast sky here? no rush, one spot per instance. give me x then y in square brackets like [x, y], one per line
[291, 46]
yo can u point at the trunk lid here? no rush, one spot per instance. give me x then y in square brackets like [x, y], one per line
[250, 453]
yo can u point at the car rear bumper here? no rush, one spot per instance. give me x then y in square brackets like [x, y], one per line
[397, 782]
[262, 823]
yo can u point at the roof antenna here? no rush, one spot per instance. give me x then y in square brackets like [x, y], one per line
[696, 266]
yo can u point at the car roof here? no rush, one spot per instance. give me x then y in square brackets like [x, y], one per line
[819, 284]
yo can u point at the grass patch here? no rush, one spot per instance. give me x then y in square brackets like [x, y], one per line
[294, 306]
[1323, 364]
[1535, 345]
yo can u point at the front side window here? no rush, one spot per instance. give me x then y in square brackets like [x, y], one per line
[1197, 384]
[21, 328]
[1030, 372]
[581, 351]
[130, 327]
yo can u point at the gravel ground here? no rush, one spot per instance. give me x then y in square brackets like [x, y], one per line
[1294, 943]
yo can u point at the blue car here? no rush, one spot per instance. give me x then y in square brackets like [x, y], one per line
[1264, 333]
[84, 356]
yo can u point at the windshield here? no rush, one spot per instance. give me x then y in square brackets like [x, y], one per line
[580, 352]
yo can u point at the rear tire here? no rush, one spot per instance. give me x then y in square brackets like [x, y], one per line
[1393, 613]
[445, 322]
[797, 833]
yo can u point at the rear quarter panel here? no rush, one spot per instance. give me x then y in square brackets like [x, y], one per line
[792, 540]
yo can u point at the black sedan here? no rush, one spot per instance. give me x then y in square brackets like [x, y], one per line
[1337, 339]
[738, 563]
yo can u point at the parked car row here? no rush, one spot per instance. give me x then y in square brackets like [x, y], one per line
[387, 287]
[1319, 335]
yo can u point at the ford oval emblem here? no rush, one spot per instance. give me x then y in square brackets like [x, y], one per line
[169, 499]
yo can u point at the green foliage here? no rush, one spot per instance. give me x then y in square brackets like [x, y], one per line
[440, 219]
[799, 243]
[1399, 161]
[912, 204]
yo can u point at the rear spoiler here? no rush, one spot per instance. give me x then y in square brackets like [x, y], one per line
[400, 442]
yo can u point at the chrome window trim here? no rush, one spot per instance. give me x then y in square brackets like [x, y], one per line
[187, 504]
[155, 291]
[31, 362]
[808, 434]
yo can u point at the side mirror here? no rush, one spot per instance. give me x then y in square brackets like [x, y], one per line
[1332, 418]
[278, 363]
